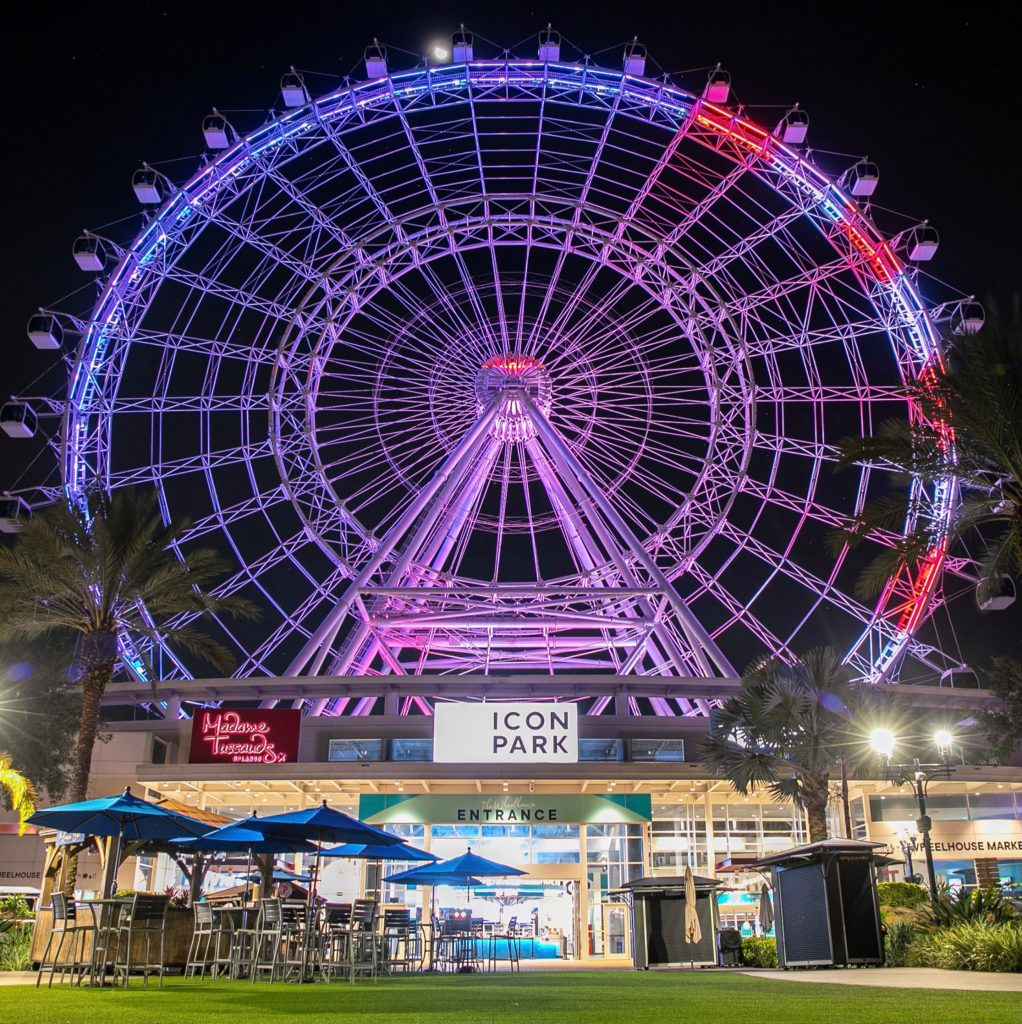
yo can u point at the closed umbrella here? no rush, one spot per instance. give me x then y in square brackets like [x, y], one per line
[693, 931]
[125, 816]
[766, 909]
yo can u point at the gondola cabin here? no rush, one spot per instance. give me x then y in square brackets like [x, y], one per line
[88, 253]
[146, 183]
[45, 332]
[13, 513]
[18, 420]
[376, 60]
[718, 86]
[292, 90]
[217, 131]
[635, 59]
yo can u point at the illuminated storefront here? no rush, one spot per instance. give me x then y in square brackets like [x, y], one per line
[627, 801]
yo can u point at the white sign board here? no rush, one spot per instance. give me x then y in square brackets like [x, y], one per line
[505, 733]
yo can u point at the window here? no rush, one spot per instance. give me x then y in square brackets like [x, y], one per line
[355, 750]
[942, 807]
[411, 750]
[601, 750]
[985, 806]
[658, 750]
[161, 751]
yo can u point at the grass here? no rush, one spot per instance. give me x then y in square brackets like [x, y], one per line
[576, 997]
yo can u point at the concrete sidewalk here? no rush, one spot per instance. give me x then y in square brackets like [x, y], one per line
[900, 977]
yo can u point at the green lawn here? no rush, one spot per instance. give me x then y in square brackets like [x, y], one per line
[575, 997]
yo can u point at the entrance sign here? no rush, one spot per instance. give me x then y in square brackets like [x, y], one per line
[505, 733]
[245, 736]
[504, 809]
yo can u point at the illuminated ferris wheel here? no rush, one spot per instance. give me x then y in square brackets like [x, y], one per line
[511, 365]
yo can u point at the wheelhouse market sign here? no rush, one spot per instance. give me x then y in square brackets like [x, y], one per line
[437, 809]
[505, 733]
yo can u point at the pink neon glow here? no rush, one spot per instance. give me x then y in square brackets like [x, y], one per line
[513, 364]
[886, 267]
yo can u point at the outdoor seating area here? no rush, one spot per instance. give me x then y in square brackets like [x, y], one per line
[121, 941]
[242, 934]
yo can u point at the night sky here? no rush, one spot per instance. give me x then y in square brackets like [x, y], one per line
[99, 88]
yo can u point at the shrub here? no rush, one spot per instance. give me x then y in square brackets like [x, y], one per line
[970, 946]
[16, 949]
[898, 942]
[902, 894]
[759, 952]
[966, 905]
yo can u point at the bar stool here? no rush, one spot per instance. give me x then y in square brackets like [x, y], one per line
[223, 939]
[398, 942]
[512, 945]
[204, 951]
[336, 934]
[268, 939]
[145, 919]
[363, 954]
[65, 926]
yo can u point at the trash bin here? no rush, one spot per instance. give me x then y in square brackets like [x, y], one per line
[729, 947]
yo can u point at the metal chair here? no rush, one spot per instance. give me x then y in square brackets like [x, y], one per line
[399, 941]
[363, 952]
[512, 946]
[222, 961]
[144, 920]
[66, 926]
[335, 934]
[268, 939]
[206, 948]
[244, 942]
[298, 946]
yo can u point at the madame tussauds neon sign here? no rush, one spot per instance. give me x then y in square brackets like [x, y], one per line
[254, 736]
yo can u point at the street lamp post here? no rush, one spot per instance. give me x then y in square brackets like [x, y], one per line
[909, 843]
[919, 775]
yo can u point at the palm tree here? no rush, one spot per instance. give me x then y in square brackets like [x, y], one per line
[102, 568]
[969, 426]
[20, 793]
[789, 728]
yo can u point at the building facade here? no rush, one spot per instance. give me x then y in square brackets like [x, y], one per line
[634, 802]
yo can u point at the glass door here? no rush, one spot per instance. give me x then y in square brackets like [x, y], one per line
[617, 931]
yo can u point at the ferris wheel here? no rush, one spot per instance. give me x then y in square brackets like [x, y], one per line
[512, 365]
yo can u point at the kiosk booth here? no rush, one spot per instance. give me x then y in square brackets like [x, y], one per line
[658, 922]
[826, 905]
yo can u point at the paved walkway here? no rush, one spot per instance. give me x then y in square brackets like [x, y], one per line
[901, 977]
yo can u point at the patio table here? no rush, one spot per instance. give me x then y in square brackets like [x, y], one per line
[106, 918]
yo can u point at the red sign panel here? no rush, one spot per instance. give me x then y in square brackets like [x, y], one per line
[245, 736]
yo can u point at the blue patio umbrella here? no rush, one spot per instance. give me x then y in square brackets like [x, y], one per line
[125, 816]
[425, 875]
[470, 863]
[239, 835]
[322, 824]
[466, 870]
[377, 851]
[283, 875]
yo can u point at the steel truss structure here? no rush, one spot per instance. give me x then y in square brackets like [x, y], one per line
[513, 366]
